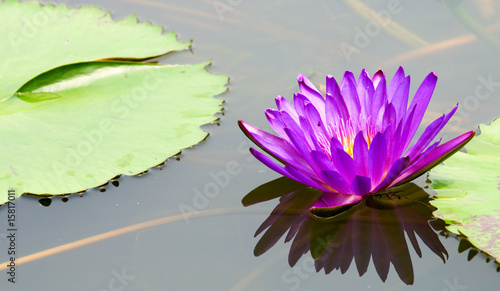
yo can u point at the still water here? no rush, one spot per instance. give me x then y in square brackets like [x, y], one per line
[263, 46]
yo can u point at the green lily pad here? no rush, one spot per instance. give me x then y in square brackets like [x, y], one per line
[38, 38]
[468, 189]
[73, 116]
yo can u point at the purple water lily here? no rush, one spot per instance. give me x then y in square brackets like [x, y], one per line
[355, 141]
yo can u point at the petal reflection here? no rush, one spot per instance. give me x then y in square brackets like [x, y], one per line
[378, 227]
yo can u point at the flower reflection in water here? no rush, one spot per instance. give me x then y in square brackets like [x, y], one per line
[375, 228]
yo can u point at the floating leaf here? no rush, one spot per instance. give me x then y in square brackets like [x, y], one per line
[468, 187]
[69, 122]
[38, 38]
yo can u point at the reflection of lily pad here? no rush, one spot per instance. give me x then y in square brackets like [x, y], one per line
[468, 190]
[68, 124]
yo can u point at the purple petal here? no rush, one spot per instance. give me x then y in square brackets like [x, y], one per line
[272, 144]
[361, 185]
[365, 92]
[344, 164]
[393, 173]
[312, 115]
[322, 160]
[274, 118]
[400, 138]
[296, 129]
[360, 154]
[400, 98]
[299, 176]
[426, 152]
[334, 199]
[389, 121]
[309, 90]
[331, 85]
[379, 118]
[285, 105]
[392, 146]
[429, 134]
[299, 102]
[298, 141]
[420, 102]
[336, 108]
[289, 121]
[302, 148]
[393, 85]
[305, 151]
[379, 97]
[335, 144]
[336, 181]
[379, 75]
[350, 94]
[309, 134]
[271, 164]
[435, 157]
[276, 147]
[377, 158]
[288, 171]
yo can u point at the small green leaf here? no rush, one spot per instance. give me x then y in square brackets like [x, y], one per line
[468, 187]
[38, 38]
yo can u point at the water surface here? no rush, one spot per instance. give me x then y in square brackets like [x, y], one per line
[262, 46]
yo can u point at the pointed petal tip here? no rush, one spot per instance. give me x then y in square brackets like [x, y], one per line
[458, 142]
[301, 78]
[243, 125]
[470, 134]
[400, 70]
[432, 77]
[330, 78]
[255, 153]
[246, 128]
[464, 138]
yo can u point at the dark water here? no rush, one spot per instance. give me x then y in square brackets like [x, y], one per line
[262, 46]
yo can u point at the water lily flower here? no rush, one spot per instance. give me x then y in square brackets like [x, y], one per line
[355, 141]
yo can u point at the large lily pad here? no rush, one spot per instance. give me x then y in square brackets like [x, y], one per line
[83, 121]
[468, 187]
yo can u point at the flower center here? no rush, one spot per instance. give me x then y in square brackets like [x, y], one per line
[345, 132]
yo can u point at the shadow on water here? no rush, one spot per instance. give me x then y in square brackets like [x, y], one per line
[375, 228]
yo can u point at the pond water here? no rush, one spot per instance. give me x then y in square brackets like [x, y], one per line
[263, 46]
